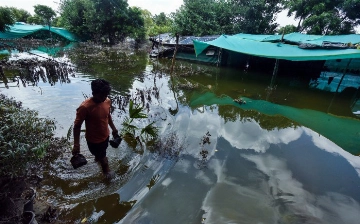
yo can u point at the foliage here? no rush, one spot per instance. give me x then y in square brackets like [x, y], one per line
[45, 12]
[197, 17]
[35, 20]
[20, 15]
[131, 132]
[210, 17]
[162, 24]
[148, 22]
[287, 29]
[73, 16]
[58, 22]
[256, 16]
[102, 20]
[6, 19]
[108, 18]
[157, 24]
[32, 70]
[325, 17]
[136, 24]
[24, 138]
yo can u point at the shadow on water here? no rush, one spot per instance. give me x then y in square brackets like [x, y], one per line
[245, 152]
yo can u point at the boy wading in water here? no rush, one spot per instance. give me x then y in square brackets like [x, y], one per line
[95, 111]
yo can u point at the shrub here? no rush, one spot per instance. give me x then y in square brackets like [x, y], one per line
[24, 137]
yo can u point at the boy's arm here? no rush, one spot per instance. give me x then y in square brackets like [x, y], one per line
[80, 117]
[112, 126]
[76, 147]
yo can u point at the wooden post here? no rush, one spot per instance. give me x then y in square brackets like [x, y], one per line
[171, 111]
[276, 68]
[174, 55]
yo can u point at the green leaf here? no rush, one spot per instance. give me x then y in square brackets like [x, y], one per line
[136, 112]
[150, 130]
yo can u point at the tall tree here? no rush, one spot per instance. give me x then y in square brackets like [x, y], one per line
[6, 19]
[256, 16]
[196, 17]
[102, 20]
[208, 17]
[45, 12]
[136, 24]
[109, 18]
[73, 15]
[325, 17]
[148, 21]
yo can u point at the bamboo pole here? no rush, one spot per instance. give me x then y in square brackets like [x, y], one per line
[275, 71]
[337, 89]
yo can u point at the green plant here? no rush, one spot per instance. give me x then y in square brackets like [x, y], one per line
[133, 134]
[24, 137]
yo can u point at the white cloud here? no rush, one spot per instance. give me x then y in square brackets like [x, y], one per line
[284, 20]
[249, 135]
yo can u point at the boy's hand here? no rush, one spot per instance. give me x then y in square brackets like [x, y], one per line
[115, 133]
[76, 150]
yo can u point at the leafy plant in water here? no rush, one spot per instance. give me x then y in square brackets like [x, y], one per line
[131, 133]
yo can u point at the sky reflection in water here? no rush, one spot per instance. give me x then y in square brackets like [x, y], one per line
[256, 176]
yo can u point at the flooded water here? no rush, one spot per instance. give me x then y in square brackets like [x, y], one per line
[287, 155]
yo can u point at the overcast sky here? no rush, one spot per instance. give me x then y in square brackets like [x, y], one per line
[154, 6]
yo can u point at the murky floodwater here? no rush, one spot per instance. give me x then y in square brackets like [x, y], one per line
[283, 157]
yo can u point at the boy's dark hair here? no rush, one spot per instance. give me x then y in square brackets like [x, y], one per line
[100, 86]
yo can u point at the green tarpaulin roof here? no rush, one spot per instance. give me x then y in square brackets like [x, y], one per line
[20, 30]
[301, 38]
[260, 45]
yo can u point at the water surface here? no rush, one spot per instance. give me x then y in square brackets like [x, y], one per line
[283, 157]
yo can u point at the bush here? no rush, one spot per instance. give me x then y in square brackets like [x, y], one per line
[24, 137]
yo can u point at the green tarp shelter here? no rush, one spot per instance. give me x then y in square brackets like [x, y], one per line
[20, 30]
[268, 46]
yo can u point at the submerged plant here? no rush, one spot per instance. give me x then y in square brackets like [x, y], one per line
[169, 146]
[33, 70]
[203, 151]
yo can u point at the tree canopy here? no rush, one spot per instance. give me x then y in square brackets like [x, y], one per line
[325, 17]
[20, 15]
[45, 12]
[112, 20]
[209, 17]
[6, 19]
[287, 29]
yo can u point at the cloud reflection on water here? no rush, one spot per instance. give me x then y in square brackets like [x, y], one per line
[289, 175]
